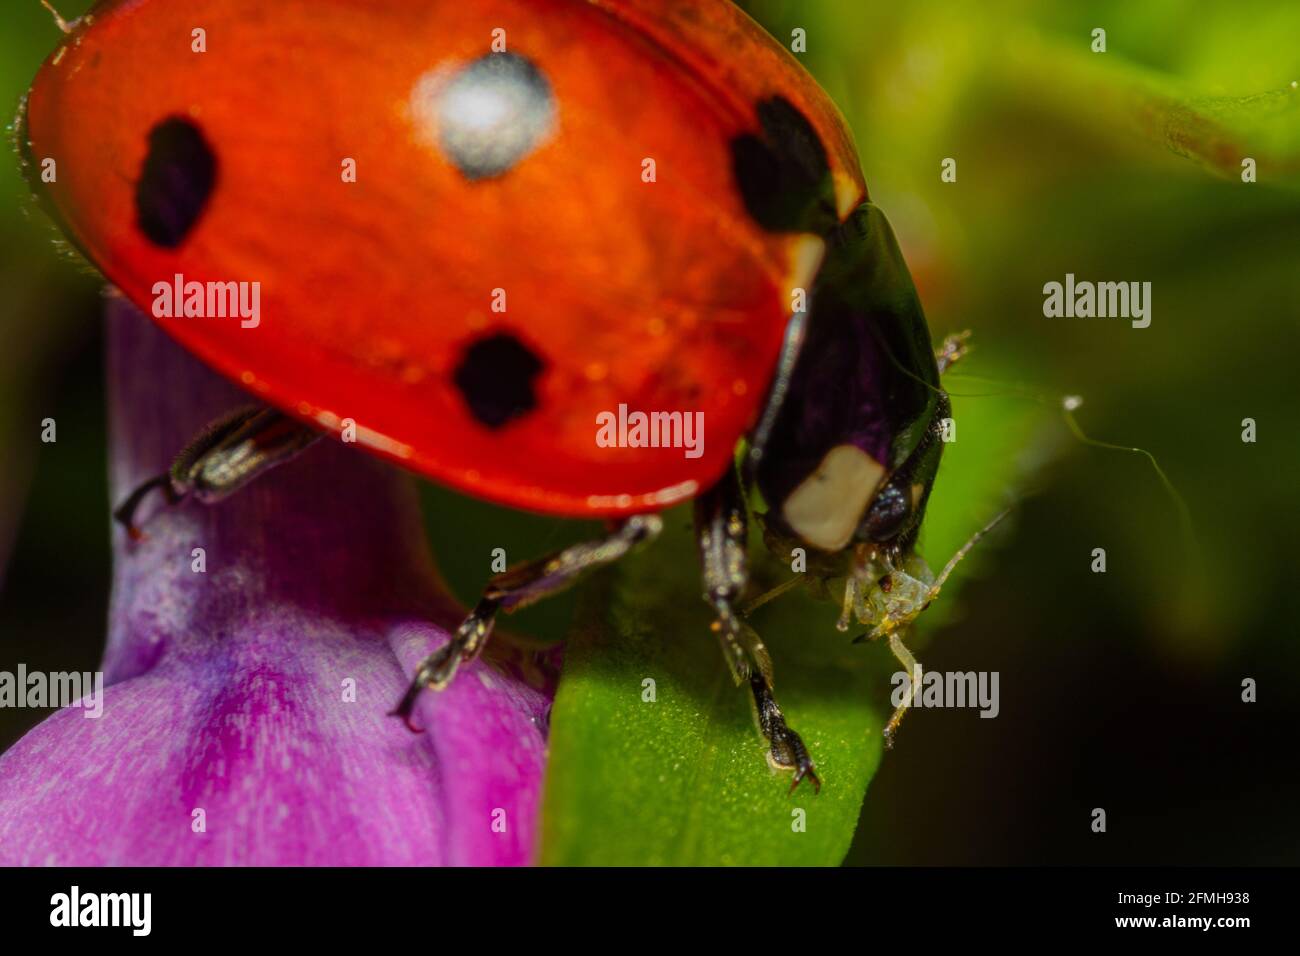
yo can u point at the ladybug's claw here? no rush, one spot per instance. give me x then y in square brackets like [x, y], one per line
[788, 751]
[407, 706]
[434, 673]
[227, 454]
[522, 584]
[806, 769]
[125, 513]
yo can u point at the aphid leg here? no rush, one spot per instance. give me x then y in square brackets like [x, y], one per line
[952, 350]
[516, 588]
[722, 532]
[856, 587]
[771, 594]
[913, 670]
[852, 587]
[224, 457]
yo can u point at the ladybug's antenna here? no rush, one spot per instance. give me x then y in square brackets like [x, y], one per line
[64, 25]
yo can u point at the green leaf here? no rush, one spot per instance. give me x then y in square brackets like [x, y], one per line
[1122, 99]
[683, 779]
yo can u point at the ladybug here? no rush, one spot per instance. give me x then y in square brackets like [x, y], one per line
[479, 233]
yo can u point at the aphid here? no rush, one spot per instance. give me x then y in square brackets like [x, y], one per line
[515, 219]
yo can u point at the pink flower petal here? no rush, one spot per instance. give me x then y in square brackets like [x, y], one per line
[228, 734]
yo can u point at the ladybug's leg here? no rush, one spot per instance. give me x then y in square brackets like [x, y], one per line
[518, 587]
[722, 533]
[722, 530]
[224, 457]
[788, 751]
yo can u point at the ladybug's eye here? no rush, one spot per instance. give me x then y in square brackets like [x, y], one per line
[888, 515]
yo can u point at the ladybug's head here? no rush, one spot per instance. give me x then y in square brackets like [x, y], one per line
[847, 451]
[849, 499]
[851, 454]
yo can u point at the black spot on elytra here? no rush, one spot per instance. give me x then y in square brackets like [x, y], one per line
[495, 376]
[175, 183]
[783, 174]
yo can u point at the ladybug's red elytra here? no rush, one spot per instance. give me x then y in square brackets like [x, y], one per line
[475, 229]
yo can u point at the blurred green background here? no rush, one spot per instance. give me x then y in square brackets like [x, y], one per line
[1119, 690]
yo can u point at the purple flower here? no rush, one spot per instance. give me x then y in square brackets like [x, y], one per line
[245, 705]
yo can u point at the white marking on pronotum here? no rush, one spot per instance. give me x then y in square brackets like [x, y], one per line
[827, 506]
